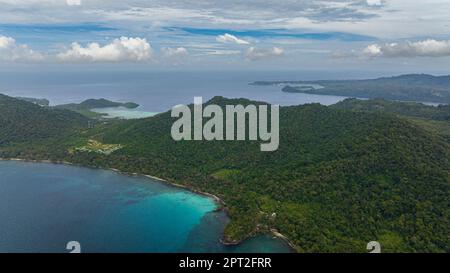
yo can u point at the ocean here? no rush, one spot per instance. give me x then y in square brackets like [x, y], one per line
[158, 91]
[44, 206]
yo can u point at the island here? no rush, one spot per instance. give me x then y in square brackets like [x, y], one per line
[412, 87]
[85, 107]
[343, 175]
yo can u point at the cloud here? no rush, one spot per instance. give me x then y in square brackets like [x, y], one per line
[73, 2]
[392, 19]
[123, 49]
[228, 38]
[375, 2]
[220, 52]
[178, 52]
[252, 13]
[271, 34]
[174, 55]
[12, 51]
[425, 48]
[254, 53]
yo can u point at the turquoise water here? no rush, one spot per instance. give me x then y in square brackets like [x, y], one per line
[123, 113]
[44, 206]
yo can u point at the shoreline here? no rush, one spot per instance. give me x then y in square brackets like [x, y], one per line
[221, 205]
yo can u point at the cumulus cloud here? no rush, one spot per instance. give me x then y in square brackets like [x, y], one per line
[123, 49]
[73, 2]
[228, 38]
[425, 48]
[12, 51]
[174, 55]
[179, 52]
[254, 53]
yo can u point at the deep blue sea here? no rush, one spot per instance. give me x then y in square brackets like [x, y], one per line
[44, 206]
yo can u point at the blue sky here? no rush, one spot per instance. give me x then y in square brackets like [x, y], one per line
[394, 35]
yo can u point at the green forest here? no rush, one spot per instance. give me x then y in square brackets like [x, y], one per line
[343, 175]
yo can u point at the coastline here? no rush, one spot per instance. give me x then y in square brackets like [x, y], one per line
[221, 205]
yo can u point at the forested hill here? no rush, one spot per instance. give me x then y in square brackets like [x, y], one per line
[339, 179]
[412, 109]
[435, 119]
[25, 121]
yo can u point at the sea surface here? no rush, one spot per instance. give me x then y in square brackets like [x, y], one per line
[159, 91]
[44, 206]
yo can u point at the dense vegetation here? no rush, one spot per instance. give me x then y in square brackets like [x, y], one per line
[340, 178]
[24, 121]
[415, 87]
[411, 109]
[433, 118]
[41, 102]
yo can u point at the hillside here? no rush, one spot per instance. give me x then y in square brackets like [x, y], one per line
[40, 102]
[411, 109]
[412, 87]
[433, 118]
[22, 121]
[339, 179]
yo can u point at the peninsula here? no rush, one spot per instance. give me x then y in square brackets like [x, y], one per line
[412, 87]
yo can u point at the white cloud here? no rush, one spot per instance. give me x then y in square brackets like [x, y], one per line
[254, 53]
[123, 49]
[228, 38]
[374, 2]
[373, 50]
[393, 19]
[12, 51]
[425, 48]
[171, 52]
[73, 2]
[174, 55]
[221, 52]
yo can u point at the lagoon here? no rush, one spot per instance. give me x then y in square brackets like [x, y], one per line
[43, 206]
[123, 113]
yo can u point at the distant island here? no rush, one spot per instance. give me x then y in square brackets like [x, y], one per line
[412, 87]
[86, 106]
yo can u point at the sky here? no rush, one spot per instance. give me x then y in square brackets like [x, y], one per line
[368, 35]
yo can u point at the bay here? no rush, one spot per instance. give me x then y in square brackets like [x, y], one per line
[43, 206]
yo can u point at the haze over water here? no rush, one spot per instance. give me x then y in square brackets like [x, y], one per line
[159, 91]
